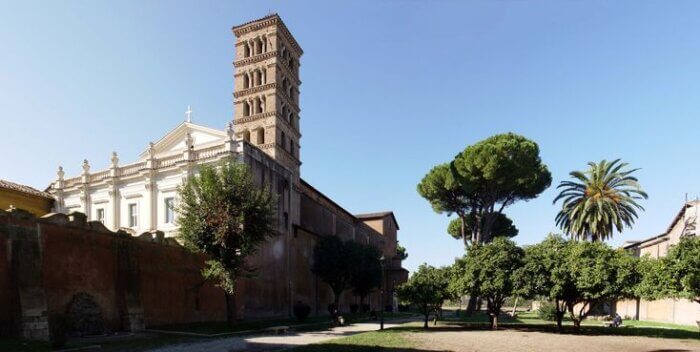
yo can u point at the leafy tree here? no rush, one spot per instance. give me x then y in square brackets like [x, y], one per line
[576, 276]
[225, 215]
[401, 252]
[366, 269]
[503, 226]
[600, 199]
[426, 289]
[599, 274]
[495, 173]
[491, 271]
[545, 273]
[677, 275]
[333, 263]
[446, 196]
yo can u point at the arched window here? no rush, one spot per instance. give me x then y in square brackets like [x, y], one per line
[264, 42]
[264, 76]
[283, 140]
[258, 77]
[246, 81]
[246, 50]
[261, 135]
[258, 46]
[291, 148]
[246, 108]
[246, 136]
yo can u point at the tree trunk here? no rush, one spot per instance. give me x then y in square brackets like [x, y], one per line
[560, 317]
[230, 309]
[425, 322]
[515, 306]
[494, 322]
[471, 306]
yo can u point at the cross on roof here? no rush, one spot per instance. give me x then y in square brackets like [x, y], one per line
[188, 113]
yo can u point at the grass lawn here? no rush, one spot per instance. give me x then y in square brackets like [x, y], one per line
[389, 340]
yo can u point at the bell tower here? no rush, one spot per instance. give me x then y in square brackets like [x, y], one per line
[266, 89]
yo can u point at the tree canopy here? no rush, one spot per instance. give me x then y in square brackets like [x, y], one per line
[599, 200]
[366, 273]
[225, 215]
[426, 289]
[545, 274]
[490, 271]
[677, 275]
[497, 172]
[484, 179]
[347, 265]
[502, 227]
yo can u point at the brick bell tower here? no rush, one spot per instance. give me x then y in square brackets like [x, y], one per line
[266, 89]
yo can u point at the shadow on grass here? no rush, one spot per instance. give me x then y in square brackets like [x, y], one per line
[356, 348]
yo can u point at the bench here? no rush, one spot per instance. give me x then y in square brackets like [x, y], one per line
[279, 330]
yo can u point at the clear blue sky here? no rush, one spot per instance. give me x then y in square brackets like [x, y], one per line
[390, 88]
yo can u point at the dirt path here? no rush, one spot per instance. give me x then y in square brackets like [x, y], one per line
[520, 341]
[272, 342]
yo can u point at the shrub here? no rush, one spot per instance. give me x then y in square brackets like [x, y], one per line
[354, 308]
[365, 308]
[301, 310]
[58, 328]
[547, 311]
[404, 307]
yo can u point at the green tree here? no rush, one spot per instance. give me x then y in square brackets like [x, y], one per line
[503, 226]
[366, 268]
[490, 271]
[601, 199]
[600, 274]
[333, 262]
[401, 252]
[426, 289]
[545, 273]
[495, 173]
[223, 214]
[677, 275]
[446, 196]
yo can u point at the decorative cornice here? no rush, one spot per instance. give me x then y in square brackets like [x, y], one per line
[268, 21]
[248, 91]
[255, 117]
[255, 58]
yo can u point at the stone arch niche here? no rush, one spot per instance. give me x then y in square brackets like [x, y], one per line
[83, 316]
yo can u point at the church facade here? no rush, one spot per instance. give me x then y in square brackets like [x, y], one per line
[265, 134]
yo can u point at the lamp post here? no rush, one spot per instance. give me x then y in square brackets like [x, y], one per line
[381, 296]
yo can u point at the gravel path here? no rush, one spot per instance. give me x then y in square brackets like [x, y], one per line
[521, 341]
[271, 342]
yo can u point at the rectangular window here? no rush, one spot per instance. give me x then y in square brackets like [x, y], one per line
[101, 215]
[133, 215]
[169, 210]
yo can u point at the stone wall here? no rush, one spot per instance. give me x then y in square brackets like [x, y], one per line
[677, 311]
[136, 281]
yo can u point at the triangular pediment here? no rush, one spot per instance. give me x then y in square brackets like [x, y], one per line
[174, 141]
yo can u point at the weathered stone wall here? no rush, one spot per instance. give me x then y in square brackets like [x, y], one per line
[136, 281]
[677, 311]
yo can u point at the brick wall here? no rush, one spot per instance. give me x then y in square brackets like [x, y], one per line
[136, 281]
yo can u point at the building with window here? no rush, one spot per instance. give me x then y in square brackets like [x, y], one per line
[139, 197]
[15, 195]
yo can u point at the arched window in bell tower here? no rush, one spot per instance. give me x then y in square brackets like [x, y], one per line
[246, 136]
[246, 50]
[246, 108]
[246, 81]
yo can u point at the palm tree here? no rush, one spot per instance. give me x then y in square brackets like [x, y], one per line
[603, 197]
